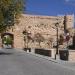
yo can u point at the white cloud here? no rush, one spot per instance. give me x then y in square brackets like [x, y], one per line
[69, 0]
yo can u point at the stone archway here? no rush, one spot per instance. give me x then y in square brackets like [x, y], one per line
[7, 40]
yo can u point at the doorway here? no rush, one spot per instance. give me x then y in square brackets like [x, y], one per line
[7, 40]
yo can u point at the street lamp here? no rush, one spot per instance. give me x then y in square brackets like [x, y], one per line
[56, 24]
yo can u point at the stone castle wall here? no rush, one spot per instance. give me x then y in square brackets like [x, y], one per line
[45, 25]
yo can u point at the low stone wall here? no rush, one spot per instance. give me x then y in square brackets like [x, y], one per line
[72, 55]
[47, 52]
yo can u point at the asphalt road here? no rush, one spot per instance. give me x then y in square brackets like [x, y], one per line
[13, 62]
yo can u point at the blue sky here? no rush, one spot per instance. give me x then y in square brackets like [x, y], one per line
[50, 7]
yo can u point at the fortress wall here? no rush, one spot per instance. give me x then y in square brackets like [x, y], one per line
[45, 25]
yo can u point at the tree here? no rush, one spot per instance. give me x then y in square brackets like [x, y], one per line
[25, 33]
[61, 40]
[50, 42]
[27, 38]
[9, 12]
[38, 38]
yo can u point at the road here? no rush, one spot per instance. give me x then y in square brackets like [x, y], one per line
[14, 62]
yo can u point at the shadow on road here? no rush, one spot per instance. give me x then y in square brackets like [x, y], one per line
[5, 53]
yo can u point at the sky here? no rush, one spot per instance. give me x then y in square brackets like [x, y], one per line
[50, 7]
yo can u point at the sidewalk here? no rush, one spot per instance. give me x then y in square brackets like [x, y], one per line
[67, 64]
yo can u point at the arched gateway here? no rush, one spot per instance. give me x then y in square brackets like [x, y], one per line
[7, 40]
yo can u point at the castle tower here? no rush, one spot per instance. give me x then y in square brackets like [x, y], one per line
[68, 21]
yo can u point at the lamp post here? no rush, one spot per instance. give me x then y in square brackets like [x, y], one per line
[56, 24]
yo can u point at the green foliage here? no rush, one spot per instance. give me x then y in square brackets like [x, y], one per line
[7, 40]
[9, 11]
